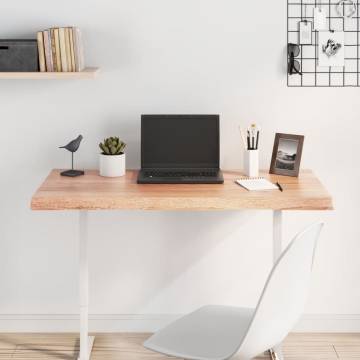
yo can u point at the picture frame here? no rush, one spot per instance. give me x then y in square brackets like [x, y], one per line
[331, 50]
[286, 155]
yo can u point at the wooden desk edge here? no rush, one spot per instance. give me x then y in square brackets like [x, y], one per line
[39, 204]
[43, 203]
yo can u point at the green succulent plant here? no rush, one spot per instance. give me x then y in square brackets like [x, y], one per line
[112, 146]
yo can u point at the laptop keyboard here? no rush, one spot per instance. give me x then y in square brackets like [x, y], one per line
[180, 174]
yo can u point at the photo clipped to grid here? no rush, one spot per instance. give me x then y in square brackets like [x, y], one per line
[323, 43]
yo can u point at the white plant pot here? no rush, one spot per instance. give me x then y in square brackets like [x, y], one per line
[112, 165]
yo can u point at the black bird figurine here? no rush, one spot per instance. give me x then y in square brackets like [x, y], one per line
[72, 146]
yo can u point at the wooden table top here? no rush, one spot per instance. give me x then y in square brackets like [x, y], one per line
[93, 192]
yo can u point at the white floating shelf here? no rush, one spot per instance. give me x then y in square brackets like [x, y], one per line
[87, 73]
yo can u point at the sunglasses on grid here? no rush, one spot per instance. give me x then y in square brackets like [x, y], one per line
[293, 65]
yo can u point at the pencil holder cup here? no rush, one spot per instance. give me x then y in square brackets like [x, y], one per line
[251, 163]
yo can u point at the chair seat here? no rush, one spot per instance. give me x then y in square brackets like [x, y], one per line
[209, 333]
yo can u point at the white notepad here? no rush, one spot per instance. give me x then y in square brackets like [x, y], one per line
[258, 183]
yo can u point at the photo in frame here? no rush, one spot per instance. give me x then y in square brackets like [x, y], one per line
[286, 156]
[331, 49]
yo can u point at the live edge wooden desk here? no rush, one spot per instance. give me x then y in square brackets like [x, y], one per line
[92, 192]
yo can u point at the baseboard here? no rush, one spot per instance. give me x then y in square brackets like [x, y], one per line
[329, 323]
[151, 323]
[97, 322]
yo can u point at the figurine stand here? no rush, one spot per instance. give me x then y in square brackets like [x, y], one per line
[72, 172]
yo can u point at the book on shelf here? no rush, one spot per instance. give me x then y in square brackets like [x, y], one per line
[61, 50]
[53, 50]
[64, 65]
[57, 49]
[67, 46]
[72, 55]
[41, 52]
[79, 50]
[47, 50]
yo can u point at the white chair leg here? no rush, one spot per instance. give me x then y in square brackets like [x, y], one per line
[276, 352]
[238, 357]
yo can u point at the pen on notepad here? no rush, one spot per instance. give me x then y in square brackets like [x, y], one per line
[279, 186]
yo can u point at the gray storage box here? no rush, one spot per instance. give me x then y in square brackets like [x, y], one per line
[19, 55]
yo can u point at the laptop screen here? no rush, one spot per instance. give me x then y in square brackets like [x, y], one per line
[180, 141]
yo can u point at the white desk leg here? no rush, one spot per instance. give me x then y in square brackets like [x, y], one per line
[276, 352]
[277, 235]
[86, 341]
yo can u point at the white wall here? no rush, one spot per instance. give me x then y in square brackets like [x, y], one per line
[161, 56]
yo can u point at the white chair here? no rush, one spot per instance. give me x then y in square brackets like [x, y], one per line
[220, 332]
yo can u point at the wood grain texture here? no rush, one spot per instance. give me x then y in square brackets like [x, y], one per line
[128, 346]
[87, 73]
[93, 192]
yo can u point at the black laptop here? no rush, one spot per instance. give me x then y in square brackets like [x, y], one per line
[180, 149]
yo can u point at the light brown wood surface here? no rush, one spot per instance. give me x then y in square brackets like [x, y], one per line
[128, 346]
[87, 73]
[93, 192]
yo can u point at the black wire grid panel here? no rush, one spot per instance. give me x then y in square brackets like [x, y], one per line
[312, 74]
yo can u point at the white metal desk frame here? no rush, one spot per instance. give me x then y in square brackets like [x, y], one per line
[86, 342]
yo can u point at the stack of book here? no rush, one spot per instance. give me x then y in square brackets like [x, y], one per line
[60, 50]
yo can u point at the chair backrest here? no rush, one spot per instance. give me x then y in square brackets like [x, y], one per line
[284, 296]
